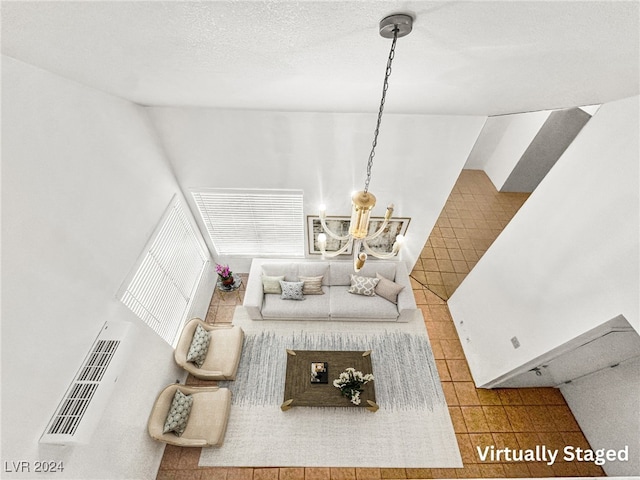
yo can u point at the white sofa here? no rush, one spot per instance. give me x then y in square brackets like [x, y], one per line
[336, 303]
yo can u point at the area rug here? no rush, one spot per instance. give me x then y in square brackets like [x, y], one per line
[412, 428]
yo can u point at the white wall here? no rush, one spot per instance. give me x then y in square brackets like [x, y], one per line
[502, 142]
[486, 143]
[84, 183]
[606, 404]
[568, 261]
[417, 161]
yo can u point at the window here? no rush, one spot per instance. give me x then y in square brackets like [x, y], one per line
[168, 274]
[253, 222]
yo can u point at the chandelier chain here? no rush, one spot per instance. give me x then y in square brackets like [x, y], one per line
[385, 87]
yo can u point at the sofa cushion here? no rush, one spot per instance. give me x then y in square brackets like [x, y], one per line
[388, 289]
[199, 346]
[288, 270]
[271, 284]
[291, 290]
[178, 415]
[340, 271]
[313, 307]
[346, 305]
[312, 285]
[363, 285]
[314, 269]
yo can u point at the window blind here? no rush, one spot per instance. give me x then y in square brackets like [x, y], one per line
[161, 290]
[253, 222]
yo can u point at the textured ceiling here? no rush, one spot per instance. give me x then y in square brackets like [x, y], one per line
[478, 57]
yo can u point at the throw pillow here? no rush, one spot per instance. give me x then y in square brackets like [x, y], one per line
[272, 284]
[312, 285]
[178, 416]
[363, 285]
[199, 346]
[388, 289]
[291, 290]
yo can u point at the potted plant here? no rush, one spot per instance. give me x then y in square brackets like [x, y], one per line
[225, 275]
[350, 383]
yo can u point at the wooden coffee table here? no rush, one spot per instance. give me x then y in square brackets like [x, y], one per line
[300, 391]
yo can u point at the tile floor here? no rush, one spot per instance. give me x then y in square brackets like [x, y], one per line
[473, 216]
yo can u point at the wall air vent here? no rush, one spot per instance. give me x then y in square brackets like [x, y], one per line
[79, 409]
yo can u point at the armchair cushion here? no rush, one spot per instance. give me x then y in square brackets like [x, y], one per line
[223, 355]
[178, 416]
[207, 422]
[199, 346]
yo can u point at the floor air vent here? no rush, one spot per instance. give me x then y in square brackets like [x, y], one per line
[68, 423]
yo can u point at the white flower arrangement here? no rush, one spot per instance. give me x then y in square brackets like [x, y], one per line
[350, 383]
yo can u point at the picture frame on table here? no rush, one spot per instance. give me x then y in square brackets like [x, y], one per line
[319, 372]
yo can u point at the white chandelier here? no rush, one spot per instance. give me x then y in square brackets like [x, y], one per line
[362, 202]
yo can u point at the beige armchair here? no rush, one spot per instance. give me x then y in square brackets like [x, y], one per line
[207, 421]
[223, 354]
